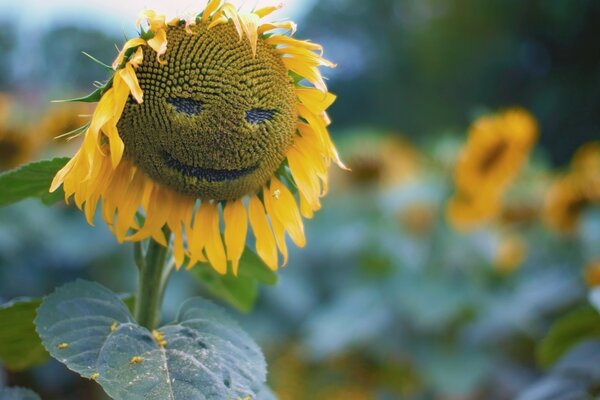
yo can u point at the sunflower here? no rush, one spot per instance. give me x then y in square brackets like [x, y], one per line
[496, 150]
[467, 211]
[207, 127]
[573, 192]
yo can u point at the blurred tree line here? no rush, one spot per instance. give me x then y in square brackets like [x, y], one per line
[425, 66]
[420, 67]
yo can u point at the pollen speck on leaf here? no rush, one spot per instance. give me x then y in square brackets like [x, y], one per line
[136, 360]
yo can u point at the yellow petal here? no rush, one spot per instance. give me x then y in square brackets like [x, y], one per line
[130, 79]
[138, 58]
[207, 222]
[236, 229]
[265, 242]
[288, 41]
[315, 100]
[229, 11]
[128, 45]
[210, 8]
[287, 25]
[250, 24]
[159, 44]
[263, 12]
[285, 209]
[309, 72]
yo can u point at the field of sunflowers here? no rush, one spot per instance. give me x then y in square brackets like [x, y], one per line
[454, 256]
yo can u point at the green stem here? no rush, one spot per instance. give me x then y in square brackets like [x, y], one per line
[154, 270]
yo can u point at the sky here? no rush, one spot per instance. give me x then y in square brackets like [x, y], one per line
[121, 14]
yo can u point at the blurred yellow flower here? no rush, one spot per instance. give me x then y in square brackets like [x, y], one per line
[564, 203]
[586, 165]
[466, 212]
[16, 148]
[496, 150]
[61, 120]
[510, 254]
[592, 274]
[209, 143]
[572, 192]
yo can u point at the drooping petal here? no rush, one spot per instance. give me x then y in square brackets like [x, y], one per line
[129, 77]
[211, 7]
[128, 45]
[236, 229]
[285, 209]
[207, 233]
[265, 241]
[263, 12]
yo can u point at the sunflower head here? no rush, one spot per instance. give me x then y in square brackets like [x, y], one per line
[217, 118]
[215, 122]
[497, 148]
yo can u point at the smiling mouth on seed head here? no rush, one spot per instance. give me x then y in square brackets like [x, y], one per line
[207, 174]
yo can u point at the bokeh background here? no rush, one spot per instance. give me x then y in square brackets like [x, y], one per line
[389, 300]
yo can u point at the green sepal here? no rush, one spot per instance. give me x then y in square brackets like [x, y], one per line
[93, 97]
[94, 59]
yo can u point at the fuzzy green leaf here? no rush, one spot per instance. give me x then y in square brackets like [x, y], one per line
[575, 327]
[31, 180]
[252, 266]
[241, 292]
[16, 393]
[205, 355]
[20, 346]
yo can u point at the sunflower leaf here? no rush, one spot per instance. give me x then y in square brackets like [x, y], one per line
[202, 354]
[240, 292]
[570, 330]
[20, 346]
[17, 393]
[31, 180]
[252, 266]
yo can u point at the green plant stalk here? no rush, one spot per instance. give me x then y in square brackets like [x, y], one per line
[155, 268]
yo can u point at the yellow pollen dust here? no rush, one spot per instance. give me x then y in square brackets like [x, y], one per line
[159, 337]
[63, 346]
[216, 121]
[136, 360]
[114, 326]
[95, 376]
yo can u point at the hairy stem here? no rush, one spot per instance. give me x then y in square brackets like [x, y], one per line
[155, 267]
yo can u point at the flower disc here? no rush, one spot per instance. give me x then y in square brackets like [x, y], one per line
[216, 121]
